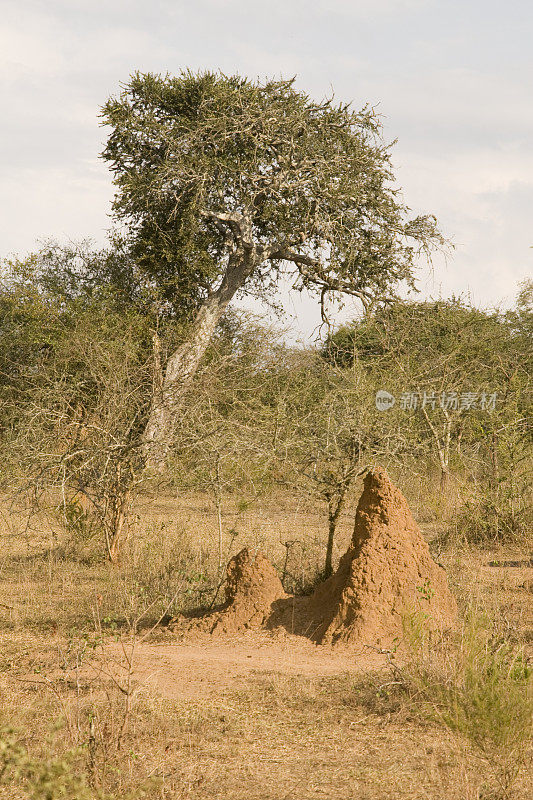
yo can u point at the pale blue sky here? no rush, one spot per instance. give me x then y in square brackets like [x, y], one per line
[452, 79]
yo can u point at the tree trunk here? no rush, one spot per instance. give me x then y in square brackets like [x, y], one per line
[184, 362]
[495, 462]
[180, 370]
[443, 447]
[118, 531]
[328, 565]
[118, 540]
[217, 490]
[334, 512]
[444, 456]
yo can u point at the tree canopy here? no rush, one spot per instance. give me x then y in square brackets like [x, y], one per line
[211, 169]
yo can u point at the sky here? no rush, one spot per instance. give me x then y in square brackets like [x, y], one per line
[452, 79]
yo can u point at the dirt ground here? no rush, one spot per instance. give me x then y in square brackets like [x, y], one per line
[201, 667]
[260, 715]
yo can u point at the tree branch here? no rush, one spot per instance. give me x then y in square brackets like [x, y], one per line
[320, 278]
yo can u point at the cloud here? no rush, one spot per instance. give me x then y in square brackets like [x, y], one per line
[55, 203]
[28, 52]
[299, 8]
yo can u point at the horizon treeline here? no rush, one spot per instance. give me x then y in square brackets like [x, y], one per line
[83, 340]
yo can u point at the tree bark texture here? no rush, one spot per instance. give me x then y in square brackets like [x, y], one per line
[118, 533]
[183, 363]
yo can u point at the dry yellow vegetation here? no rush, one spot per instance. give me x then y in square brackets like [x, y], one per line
[102, 704]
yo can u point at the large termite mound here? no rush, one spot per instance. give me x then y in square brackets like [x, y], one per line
[252, 586]
[386, 577]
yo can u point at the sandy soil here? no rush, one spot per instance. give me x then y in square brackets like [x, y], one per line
[203, 666]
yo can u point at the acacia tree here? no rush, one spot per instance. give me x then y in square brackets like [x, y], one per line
[76, 368]
[226, 184]
[330, 432]
[454, 357]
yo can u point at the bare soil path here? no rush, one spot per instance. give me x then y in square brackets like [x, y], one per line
[203, 666]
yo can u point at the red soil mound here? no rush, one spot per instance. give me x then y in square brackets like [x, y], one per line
[386, 576]
[252, 587]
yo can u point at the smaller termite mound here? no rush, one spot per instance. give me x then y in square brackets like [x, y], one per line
[252, 586]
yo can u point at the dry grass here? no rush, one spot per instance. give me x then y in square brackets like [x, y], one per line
[275, 736]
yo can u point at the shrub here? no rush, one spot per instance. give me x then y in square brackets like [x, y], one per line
[483, 692]
[488, 518]
[45, 779]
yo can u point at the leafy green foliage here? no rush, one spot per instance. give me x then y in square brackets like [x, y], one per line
[48, 779]
[454, 334]
[301, 181]
[75, 381]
